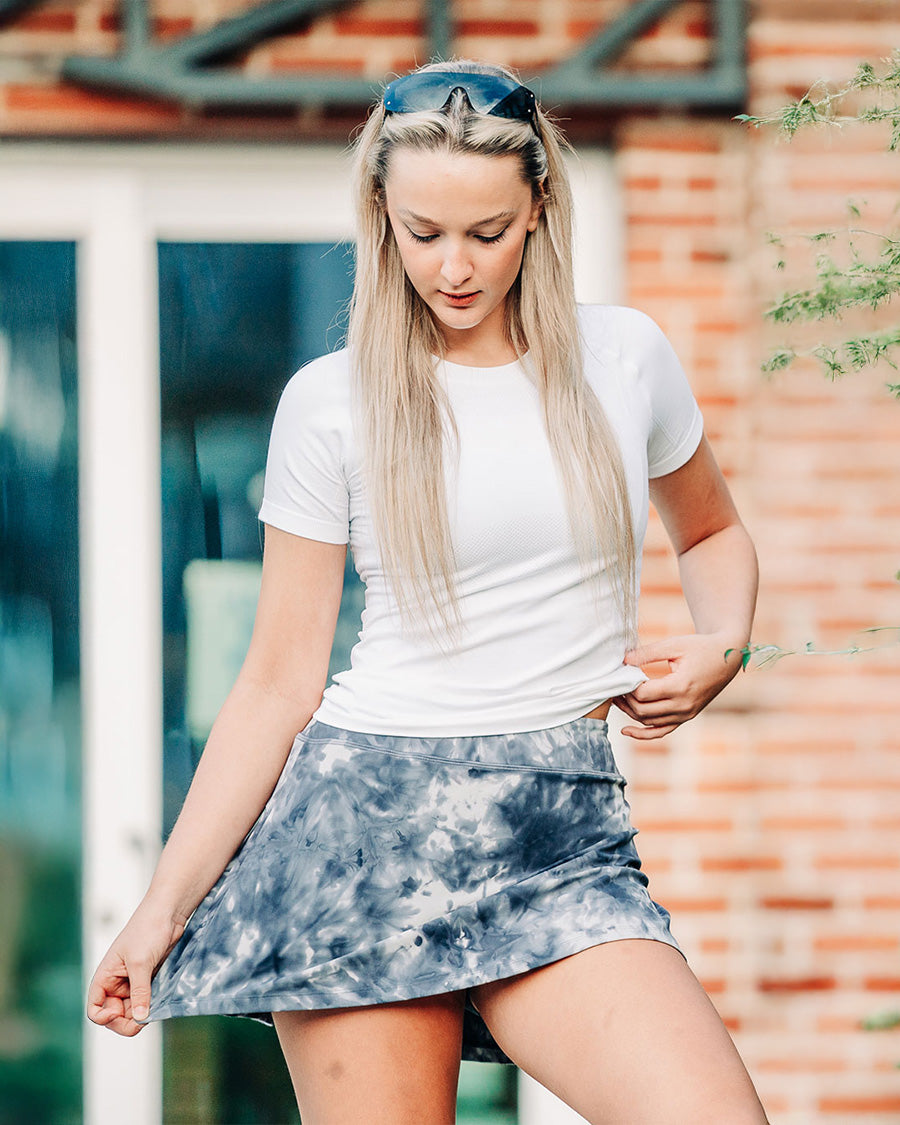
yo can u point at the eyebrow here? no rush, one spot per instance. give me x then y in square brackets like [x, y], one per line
[501, 216]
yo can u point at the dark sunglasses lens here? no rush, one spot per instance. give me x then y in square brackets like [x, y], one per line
[431, 89]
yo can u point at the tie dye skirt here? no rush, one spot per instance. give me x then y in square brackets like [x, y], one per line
[388, 867]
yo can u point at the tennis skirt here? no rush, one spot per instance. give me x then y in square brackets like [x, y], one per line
[388, 867]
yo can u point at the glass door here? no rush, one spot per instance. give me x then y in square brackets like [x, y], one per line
[40, 688]
[235, 321]
[199, 277]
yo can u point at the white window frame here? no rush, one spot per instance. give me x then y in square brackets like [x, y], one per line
[116, 200]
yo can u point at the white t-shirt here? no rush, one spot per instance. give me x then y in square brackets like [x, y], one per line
[537, 647]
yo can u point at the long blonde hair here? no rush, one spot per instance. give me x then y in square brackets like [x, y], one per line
[404, 411]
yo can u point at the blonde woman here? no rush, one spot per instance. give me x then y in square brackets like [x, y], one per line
[440, 864]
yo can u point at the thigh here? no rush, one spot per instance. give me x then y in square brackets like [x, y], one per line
[625, 1034]
[385, 1064]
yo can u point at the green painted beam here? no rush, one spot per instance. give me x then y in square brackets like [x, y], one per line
[9, 9]
[440, 29]
[239, 32]
[609, 43]
[170, 71]
[135, 26]
[157, 80]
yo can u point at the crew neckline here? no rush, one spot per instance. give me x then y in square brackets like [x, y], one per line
[469, 368]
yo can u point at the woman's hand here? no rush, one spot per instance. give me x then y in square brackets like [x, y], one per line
[119, 994]
[698, 669]
[717, 565]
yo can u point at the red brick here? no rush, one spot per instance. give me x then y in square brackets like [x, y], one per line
[857, 862]
[644, 254]
[727, 327]
[350, 24]
[318, 66]
[742, 863]
[882, 984]
[715, 945]
[698, 29]
[713, 985]
[860, 1104]
[796, 903]
[686, 905]
[855, 943]
[497, 27]
[791, 1064]
[93, 111]
[797, 984]
[671, 220]
[803, 823]
[688, 824]
[47, 20]
[582, 29]
[671, 140]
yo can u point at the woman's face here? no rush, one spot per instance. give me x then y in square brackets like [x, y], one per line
[460, 221]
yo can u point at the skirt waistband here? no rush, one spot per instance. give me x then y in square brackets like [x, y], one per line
[579, 746]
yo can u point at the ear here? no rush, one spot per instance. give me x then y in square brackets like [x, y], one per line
[537, 207]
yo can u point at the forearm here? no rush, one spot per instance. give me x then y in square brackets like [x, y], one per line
[719, 577]
[244, 755]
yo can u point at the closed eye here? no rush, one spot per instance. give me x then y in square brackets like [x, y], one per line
[489, 238]
[421, 237]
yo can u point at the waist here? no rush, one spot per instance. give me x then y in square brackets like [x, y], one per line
[580, 746]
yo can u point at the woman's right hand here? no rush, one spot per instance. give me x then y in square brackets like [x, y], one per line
[119, 993]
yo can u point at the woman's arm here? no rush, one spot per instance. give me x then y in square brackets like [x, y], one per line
[718, 569]
[278, 688]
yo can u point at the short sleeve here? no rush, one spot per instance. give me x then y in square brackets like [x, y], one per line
[676, 424]
[306, 490]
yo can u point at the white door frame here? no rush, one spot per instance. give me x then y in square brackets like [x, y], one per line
[116, 201]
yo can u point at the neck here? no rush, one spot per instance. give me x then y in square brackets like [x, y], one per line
[482, 346]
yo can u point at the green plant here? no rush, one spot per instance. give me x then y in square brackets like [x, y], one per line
[869, 277]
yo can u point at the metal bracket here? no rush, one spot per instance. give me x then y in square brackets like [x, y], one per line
[175, 71]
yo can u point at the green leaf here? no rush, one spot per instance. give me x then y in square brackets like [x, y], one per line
[779, 360]
[882, 1021]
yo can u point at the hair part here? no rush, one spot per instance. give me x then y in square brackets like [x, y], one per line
[404, 412]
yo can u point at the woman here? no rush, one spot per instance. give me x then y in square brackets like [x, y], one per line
[441, 862]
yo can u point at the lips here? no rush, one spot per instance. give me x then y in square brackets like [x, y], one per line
[458, 300]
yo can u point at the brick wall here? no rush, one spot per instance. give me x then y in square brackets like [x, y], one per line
[770, 825]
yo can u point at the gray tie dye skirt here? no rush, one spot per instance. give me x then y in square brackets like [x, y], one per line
[388, 867]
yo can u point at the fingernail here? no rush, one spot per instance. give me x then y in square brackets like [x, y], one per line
[140, 1012]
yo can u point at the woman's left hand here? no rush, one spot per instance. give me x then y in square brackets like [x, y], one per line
[698, 670]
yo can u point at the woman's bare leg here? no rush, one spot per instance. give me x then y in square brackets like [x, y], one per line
[623, 1033]
[388, 1064]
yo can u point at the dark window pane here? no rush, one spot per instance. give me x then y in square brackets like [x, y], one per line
[236, 320]
[40, 701]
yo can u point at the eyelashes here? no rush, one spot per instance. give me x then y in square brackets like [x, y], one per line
[487, 239]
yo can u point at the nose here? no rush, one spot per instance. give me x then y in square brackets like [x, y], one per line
[456, 267]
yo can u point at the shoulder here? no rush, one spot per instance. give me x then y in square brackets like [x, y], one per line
[317, 397]
[619, 330]
[322, 382]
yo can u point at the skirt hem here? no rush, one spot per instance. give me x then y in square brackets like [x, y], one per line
[258, 1007]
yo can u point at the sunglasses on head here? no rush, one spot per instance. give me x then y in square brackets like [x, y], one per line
[494, 95]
